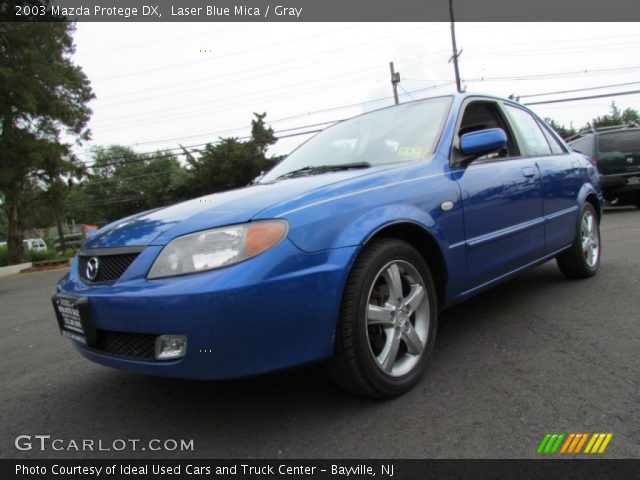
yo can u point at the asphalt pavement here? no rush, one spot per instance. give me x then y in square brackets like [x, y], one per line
[535, 355]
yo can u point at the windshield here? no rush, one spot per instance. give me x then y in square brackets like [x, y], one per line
[405, 133]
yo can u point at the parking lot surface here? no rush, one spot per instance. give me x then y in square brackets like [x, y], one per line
[535, 355]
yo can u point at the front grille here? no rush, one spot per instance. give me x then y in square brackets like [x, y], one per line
[140, 346]
[110, 267]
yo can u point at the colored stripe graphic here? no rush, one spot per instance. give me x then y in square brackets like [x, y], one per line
[598, 443]
[572, 443]
[551, 442]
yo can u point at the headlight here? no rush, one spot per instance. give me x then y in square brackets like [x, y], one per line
[219, 247]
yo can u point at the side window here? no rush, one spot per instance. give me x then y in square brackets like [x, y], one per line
[556, 147]
[535, 143]
[481, 115]
[584, 145]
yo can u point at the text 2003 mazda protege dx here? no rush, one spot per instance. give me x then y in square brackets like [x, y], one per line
[345, 251]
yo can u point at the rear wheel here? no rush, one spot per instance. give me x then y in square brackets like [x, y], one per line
[387, 323]
[583, 258]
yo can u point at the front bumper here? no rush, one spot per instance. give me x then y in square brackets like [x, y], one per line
[271, 312]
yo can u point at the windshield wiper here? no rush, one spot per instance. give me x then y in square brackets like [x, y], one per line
[315, 169]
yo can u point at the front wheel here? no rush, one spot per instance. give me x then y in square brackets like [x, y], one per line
[583, 258]
[387, 324]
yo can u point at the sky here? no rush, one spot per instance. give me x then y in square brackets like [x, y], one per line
[160, 85]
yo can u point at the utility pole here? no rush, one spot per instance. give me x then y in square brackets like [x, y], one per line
[395, 80]
[456, 54]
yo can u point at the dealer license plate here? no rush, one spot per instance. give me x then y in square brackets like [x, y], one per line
[72, 314]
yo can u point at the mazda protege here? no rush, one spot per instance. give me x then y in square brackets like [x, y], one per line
[345, 252]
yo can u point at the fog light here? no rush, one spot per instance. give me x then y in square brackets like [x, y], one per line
[169, 347]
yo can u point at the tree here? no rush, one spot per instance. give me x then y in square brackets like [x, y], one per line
[124, 182]
[231, 163]
[561, 130]
[43, 96]
[616, 117]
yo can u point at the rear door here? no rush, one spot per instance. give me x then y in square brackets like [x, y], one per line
[501, 199]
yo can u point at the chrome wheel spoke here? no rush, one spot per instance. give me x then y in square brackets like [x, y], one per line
[377, 315]
[585, 243]
[413, 342]
[394, 282]
[389, 353]
[590, 241]
[415, 298]
[590, 224]
[397, 322]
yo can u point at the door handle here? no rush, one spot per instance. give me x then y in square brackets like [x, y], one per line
[529, 172]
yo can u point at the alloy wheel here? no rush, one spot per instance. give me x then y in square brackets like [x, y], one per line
[398, 317]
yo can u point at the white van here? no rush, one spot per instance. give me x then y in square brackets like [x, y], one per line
[36, 244]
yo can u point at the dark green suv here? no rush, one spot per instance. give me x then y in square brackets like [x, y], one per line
[616, 152]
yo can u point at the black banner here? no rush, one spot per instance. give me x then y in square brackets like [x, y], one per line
[318, 469]
[329, 10]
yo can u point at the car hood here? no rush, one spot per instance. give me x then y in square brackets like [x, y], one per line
[158, 227]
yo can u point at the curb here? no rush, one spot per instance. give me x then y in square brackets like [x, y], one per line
[13, 269]
[46, 265]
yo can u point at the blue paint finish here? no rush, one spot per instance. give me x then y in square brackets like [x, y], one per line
[483, 141]
[280, 308]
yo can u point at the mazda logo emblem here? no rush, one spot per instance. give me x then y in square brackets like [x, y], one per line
[92, 268]
[630, 160]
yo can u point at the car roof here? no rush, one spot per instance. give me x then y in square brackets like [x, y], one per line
[612, 128]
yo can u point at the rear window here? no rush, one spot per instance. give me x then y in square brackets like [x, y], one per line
[584, 145]
[626, 142]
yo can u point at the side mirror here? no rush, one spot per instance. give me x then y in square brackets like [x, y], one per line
[482, 142]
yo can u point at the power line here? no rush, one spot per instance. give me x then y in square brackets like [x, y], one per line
[105, 202]
[338, 107]
[579, 90]
[167, 118]
[308, 86]
[407, 93]
[219, 104]
[251, 72]
[150, 156]
[325, 110]
[229, 54]
[603, 95]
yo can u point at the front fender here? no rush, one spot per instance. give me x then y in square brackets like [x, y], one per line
[349, 221]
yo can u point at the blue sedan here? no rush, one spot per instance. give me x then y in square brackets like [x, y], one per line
[345, 252]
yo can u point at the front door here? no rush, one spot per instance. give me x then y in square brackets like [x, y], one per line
[502, 201]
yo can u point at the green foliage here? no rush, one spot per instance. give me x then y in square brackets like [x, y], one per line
[36, 256]
[616, 117]
[123, 182]
[42, 96]
[231, 163]
[561, 130]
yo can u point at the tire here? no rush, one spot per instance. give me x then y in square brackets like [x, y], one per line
[388, 320]
[583, 258]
